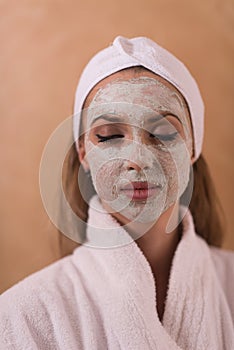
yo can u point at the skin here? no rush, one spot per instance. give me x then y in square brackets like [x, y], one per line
[157, 246]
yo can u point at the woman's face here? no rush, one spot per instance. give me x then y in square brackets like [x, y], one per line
[137, 144]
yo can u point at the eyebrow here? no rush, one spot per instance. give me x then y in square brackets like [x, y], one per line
[109, 117]
[164, 114]
[117, 119]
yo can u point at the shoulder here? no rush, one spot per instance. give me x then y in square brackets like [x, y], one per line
[39, 282]
[224, 266]
[58, 279]
[31, 309]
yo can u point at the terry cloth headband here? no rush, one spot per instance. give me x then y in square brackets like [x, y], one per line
[141, 51]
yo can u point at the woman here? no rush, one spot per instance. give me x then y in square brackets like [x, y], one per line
[148, 275]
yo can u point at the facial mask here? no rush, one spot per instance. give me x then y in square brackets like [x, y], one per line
[164, 165]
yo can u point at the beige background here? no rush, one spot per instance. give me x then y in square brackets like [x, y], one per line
[44, 46]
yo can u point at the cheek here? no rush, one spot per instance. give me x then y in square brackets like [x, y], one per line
[176, 166]
[106, 177]
[105, 170]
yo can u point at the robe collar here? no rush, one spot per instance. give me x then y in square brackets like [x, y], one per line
[196, 314]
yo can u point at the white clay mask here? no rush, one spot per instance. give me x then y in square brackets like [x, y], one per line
[137, 133]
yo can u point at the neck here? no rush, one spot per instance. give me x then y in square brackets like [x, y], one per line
[159, 248]
[157, 245]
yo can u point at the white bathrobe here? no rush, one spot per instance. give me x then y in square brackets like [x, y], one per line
[98, 299]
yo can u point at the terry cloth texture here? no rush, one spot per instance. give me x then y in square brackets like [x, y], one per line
[99, 299]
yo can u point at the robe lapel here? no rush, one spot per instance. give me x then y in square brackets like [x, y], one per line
[195, 309]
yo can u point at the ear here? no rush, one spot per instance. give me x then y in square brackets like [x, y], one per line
[82, 153]
[192, 156]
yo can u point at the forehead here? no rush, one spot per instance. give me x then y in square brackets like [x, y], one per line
[127, 74]
[132, 73]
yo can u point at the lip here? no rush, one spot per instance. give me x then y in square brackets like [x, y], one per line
[139, 190]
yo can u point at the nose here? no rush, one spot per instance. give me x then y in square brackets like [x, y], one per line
[134, 166]
[139, 159]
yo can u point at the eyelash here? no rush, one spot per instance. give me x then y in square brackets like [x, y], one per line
[169, 137]
[108, 138]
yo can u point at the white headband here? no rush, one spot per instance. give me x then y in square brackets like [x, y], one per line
[141, 51]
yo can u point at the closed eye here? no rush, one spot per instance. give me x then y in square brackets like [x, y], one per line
[108, 137]
[165, 137]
